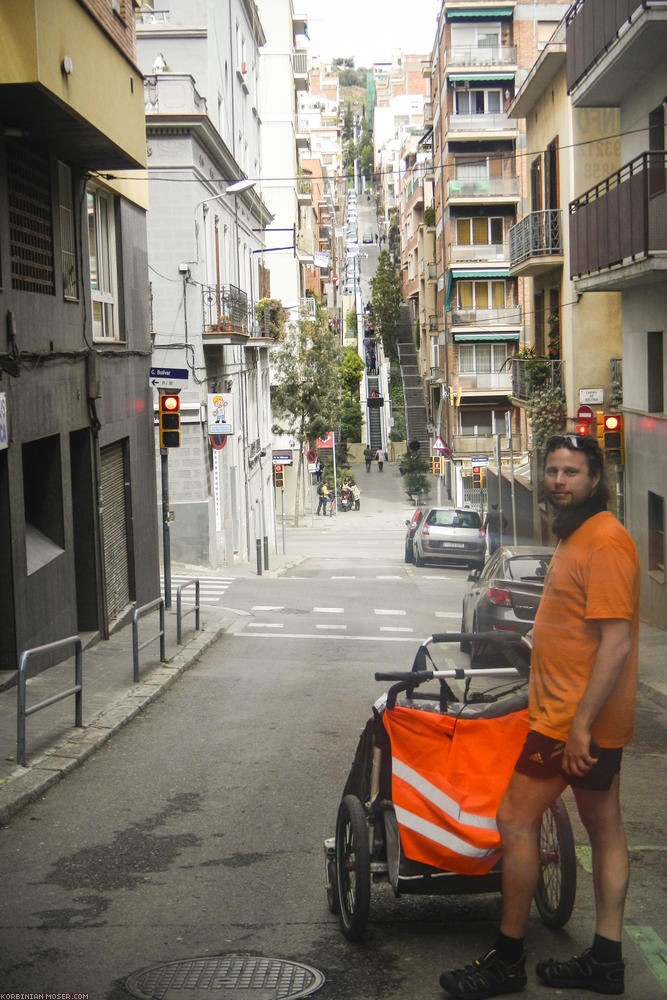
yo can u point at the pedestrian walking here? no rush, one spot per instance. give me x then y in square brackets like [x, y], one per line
[356, 494]
[318, 471]
[581, 714]
[323, 494]
[379, 455]
[492, 523]
[368, 457]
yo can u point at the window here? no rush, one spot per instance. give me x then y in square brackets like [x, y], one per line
[481, 294]
[67, 234]
[481, 359]
[479, 231]
[478, 102]
[656, 534]
[656, 374]
[30, 219]
[103, 264]
[656, 145]
[43, 502]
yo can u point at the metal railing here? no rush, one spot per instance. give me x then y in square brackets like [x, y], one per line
[179, 608]
[481, 123]
[224, 308]
[531, 374]
[591, 27]
[300, 62]
[478, 252]
[428, 113]
[496, 317]
[538, 234]
[26, 671]
[136, 645]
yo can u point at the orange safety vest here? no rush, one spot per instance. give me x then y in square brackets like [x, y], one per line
[448, 777]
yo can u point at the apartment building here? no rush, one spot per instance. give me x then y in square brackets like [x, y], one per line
[618, 244]
[78, 513]
[481, 53]
[206, 229]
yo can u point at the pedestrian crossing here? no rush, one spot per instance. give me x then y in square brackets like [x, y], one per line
[267, 622]
[211, 588]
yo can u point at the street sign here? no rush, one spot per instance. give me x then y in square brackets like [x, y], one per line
[438, 444]
[282, 458]
[219, 428]
[169, 378]
[220, 413]
[594, 396]
[585, 413]
[311, 456]
[218, 441]
[480, 460]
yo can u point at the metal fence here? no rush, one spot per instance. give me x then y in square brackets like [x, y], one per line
[538, 234]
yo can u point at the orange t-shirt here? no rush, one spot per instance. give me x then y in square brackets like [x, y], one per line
[594, 574]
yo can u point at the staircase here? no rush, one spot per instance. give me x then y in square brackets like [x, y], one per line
[413, 390]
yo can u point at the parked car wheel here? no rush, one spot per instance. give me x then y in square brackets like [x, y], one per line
[464, 645]
[418, 559]
[478, 649]
[409, 555]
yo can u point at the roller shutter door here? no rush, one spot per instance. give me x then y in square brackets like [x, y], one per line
[114, 529]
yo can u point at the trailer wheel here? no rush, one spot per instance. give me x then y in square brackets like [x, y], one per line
[557, 883]
[353, 867]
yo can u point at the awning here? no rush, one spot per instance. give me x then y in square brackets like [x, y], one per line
[489, 12]
[478, 77]
[487, 335]
[457, 272]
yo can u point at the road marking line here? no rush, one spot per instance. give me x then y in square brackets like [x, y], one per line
[447, 614]
[312, 635]
[394, 628]
[328, 627]
[388, 577]
[653, 949]
[265, 625]
[343, 578]
[268, 607]
[389, 611]
[329, 611]
[450, 578]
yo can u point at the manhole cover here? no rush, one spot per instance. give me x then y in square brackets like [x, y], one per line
[226, 977]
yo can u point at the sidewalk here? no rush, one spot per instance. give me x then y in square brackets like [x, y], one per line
[54, 746]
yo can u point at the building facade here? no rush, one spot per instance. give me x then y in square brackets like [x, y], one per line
[78, 514]
[206, 230]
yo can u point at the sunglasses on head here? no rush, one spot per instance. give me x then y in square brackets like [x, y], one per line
[572, 441]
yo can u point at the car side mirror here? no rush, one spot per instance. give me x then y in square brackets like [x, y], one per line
[407, 522]
[474, 575]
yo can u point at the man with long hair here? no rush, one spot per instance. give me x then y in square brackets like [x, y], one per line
[581, 710]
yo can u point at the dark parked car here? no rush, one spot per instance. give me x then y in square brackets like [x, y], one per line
[506, 593]
[412, 526]
[451, 533]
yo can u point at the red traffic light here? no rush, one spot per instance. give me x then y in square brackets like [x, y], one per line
[612, 422]
[170, 403]
[583, 429]
[277, 468]
[476, 470]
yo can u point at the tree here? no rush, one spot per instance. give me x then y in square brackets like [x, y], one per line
[351, 370]
[386, 303]
[306, 395]
[414, 469]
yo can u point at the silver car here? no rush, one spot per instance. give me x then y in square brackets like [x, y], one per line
[450, 533]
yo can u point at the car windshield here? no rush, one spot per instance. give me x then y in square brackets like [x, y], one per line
[528, 568]
[454, 519]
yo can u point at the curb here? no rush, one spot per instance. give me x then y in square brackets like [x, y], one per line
[27, 784]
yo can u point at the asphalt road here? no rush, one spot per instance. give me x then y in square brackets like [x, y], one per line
[198, 829]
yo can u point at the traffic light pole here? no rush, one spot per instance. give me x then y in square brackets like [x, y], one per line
[166, 541]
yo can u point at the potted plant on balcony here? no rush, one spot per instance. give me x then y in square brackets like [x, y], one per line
[553, 322]
[429, 216]
[271, 317]
[547, 413]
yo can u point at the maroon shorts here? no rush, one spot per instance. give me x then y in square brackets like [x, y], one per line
[542, 757]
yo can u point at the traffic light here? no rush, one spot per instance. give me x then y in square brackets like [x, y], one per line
[583, 428]
[170, 420]
[599, 428]
[614, 451]
[477, 477]
[436, 465]
[279, 477]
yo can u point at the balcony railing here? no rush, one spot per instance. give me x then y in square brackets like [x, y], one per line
[503, 55]
[300, 62]
[591, 27]
[481, 317]
[428, 113]
[304, 185]
[536, 235]
[224, 309]
[501, 381]
[531, 374]
[484, 187]
[146, 15]
[481, 123]
[174, 93]
[478, 444]
[478, 253]
[433, 324]
[622, 218]
[432, 271]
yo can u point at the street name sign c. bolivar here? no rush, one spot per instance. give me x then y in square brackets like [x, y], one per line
[168, 378]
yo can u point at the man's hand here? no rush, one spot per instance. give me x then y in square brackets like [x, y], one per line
[578, 755]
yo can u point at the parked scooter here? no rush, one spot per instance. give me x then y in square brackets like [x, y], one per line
[345, 499]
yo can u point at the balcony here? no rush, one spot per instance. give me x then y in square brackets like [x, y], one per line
[224, 314]
[478, 126]
[428, 114]
[482, 381]
[503, 55]
[487, 317]
[488, 188]
[617, 229]
[535, 243]
[304, 189]
[479, 253]
[432, 271]
[532, 374]
[478, 444]
[147, 17]
[612, 47]
[300, 63]
[302, 132]
[172, 94]
[433, 324]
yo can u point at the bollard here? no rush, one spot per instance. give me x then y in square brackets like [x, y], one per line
[259, 556]
[266, 551]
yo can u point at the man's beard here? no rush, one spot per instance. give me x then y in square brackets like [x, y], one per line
[568, 519]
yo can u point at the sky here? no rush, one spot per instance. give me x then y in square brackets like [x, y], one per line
[369, 29]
